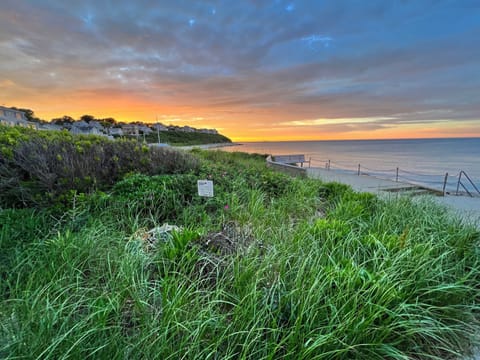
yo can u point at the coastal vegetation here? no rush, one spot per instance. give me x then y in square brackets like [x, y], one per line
[181, 138]
[271, 267]
[50, 166]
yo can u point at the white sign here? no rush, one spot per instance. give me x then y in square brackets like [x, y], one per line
[205, 188]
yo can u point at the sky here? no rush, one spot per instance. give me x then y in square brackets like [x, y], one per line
[255, 70]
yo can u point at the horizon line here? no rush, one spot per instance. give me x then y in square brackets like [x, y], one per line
[383, 139]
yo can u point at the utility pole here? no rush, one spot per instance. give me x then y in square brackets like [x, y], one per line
[158, 132]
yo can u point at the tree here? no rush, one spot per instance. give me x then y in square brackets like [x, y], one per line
[65, 119]
[108, 122]
[87, 118]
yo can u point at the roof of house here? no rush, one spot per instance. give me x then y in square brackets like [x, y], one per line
[82, 125]
[9, 109]
[22, 121]
[50, 126]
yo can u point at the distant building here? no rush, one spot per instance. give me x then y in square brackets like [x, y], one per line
[97, 125]
[67, 125]
[115, 131]
[187, 129]
[159, 127]
[143, 129]
[84, 128]
[208, 131]
[11, 117]
[130, 129]
[50, 126]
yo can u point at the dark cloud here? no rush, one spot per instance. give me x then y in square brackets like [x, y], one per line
[297, 59]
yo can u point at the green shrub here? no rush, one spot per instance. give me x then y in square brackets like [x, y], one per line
[185, 138]
[333, 191]
[178, 247]
[161, 197]
[233, 171]
[274, 184]
[352, 205]
[47, 166]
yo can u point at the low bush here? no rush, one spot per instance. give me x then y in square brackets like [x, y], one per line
[161, 197]
[47, 166]
[233, 171]
[180, 138]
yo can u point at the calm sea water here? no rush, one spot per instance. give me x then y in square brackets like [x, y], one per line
[424, 161]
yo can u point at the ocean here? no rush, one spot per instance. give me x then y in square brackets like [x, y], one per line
[420, 161]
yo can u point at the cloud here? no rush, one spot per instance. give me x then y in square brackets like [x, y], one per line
[313, 40]
[350, 121]
[6, 83]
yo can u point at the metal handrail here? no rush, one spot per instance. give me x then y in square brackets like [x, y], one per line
[463, 186]
[442, 181]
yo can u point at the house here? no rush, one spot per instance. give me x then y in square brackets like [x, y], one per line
[97, 125]
[50, 126]
[208, 131]
[159, 127]
[115, 131]
[143, 129]
[11, 117]
[67, 126]
[187, 129]
[84, 128]
[130, 129]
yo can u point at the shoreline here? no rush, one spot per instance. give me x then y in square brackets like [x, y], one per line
[206, 146]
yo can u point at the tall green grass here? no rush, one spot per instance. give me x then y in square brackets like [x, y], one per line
[313, 271]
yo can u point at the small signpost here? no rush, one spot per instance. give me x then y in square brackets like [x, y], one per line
[205, 188]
